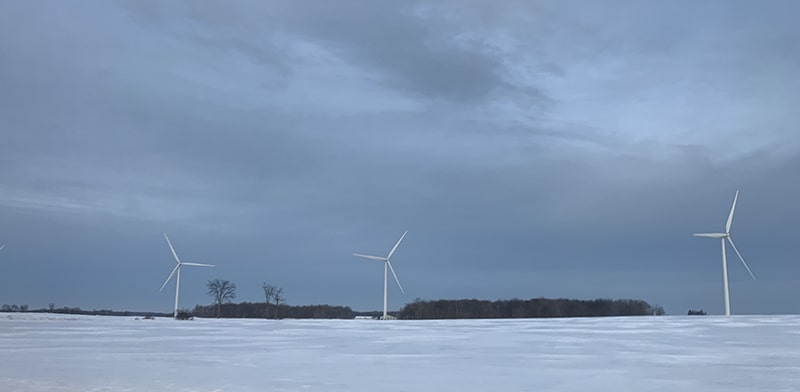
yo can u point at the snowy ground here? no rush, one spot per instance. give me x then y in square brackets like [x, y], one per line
[42, 352]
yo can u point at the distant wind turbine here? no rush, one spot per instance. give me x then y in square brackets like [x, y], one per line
[727, 236]
[387, 265]
[178, 269]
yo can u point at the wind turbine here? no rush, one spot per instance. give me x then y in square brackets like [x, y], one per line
[178, 278]
[387, 265]
[723, 237]
[2, 246]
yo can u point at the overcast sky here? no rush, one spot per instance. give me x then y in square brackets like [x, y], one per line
[556, 149]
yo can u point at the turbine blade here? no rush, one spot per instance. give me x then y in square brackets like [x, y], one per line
[169, 277]
[2, 246]
[395, 276]
[177, 260]
[197, 264]
[730, 216]
[741, 258]
[710, 235]
[391, 252]
[370, 257]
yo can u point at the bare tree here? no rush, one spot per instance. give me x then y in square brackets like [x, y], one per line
[278, 298]
[269, 292]
[51, 306]
[221, 291]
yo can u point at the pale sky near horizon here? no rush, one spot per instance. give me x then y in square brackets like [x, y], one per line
[531, 149]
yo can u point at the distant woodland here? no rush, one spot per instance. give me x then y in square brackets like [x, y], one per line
[445, 309]
[264, 310]
[222, 292]
[76, 310]
[417, 310]
[520, 308]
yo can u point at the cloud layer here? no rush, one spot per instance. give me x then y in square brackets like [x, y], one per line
[531, 150]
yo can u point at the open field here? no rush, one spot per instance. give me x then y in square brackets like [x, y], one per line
[44, 352]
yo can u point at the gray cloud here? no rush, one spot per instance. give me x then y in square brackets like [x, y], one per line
[546, 149]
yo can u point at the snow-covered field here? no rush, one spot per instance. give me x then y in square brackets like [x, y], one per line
[43, 352]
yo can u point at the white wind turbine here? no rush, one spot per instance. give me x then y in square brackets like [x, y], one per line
[723, 237]
[178, 278]
[387, 265]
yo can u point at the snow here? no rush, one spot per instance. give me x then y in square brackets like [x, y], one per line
[47, 352]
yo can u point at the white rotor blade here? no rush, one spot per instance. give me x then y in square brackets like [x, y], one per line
[169, 277]
[197, 264]
[172, 249]
[370, 257]
[2, 246]
[395, 277]
[710, 235]
[741, 258]
[391, 252]
[730, 216]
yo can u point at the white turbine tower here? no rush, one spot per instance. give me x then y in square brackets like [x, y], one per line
[178, 278]
[723, 237]
[387, 266]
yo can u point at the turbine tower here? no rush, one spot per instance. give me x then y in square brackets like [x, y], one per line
[726, 236]
[387, 266]
[178, 278]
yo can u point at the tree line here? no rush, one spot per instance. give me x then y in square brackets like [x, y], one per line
[13, 308]
[531, 308]
[272, 311]
[274, 306]
[76, 310]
